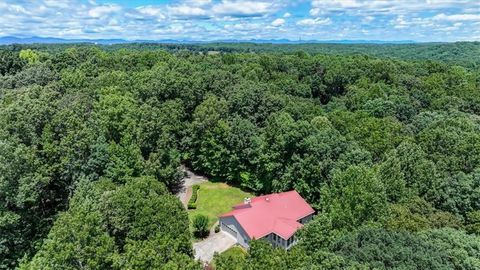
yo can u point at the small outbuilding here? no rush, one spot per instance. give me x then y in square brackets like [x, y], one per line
[274, 217]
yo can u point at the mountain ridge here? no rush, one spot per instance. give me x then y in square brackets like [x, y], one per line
[9, 40]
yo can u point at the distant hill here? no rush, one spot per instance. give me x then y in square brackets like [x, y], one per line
[48, 40]
[8, 40]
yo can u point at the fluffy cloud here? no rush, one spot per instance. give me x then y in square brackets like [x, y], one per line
[422, 20]
[243, 8]
[198, 2]
[316, 21]
[100, 11]
[457, 17]
[390, 6]
[150, 11]
[187, 11]
[278, 22]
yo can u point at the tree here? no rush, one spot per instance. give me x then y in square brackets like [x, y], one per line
[415, 214]
[78, 238]
[10, 62]
[200, 225]
[407, 171]
[136, 225]
[382, 249]
[318, 234]
[473, 222]
[30, 56]
[209, 133]
[354, 197]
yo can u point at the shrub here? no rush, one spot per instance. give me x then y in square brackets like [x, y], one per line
[200, 226]
[192, 202]
[217, 228]
[192, 205]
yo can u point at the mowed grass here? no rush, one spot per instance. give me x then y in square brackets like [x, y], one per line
[235, 251]
[235, 254]
[215, 199]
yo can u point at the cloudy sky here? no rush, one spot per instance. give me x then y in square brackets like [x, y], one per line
[419, 20]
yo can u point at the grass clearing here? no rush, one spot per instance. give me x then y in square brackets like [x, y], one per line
[235, 251]
[215, 199]
[234, 254]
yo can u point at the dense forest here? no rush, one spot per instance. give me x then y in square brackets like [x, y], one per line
[464, 54]
[386, 150]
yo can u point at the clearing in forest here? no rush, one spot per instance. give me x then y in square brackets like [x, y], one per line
[215, 199]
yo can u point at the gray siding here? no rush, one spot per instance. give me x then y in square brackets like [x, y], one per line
[231, 226]
[306, 219]
[278, 241]
[232, 223]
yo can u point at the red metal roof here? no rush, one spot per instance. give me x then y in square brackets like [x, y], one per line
[278, 213]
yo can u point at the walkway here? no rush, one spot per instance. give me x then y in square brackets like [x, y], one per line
[190, 179]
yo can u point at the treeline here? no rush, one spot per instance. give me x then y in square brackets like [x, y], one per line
[387, 152]
[464, 54]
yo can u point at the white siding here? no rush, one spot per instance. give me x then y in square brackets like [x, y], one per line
[230, 223]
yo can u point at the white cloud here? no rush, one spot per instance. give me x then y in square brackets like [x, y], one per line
[314, 11]
[243, 8]
[243, 26]
[198, 2]
[391, 7]
[457, 17]
[100, 11]
[278, 22]
[316, 21]
[423, 20]
[187, 11]
[151, 11]
[368, 19]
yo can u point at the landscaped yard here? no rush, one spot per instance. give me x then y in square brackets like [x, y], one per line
[234, 254]
[215, 199]
[235, 251]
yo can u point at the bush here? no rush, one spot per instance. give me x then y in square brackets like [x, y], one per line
[192, 205]
[217, 228]
[192, 202]
[200, 226]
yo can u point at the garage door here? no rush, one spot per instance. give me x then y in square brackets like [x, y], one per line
[229, 229]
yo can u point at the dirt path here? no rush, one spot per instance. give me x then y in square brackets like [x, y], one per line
[190, 179]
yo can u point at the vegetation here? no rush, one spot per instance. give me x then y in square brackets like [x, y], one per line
[135, 226]
[215, 199]
[386, 150]
[233, 257]
[192, 202]
[200, 226]
[458, 53]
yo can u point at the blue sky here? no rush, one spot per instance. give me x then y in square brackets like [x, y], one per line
[204, 20]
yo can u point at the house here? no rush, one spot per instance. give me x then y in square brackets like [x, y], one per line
[274, 217]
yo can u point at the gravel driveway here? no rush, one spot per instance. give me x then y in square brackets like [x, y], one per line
[217, 242]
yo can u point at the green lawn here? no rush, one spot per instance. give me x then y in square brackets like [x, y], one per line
[235, 251]
[215, 199]
[234, 254]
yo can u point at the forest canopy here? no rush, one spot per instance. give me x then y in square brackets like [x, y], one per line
[386, 150]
